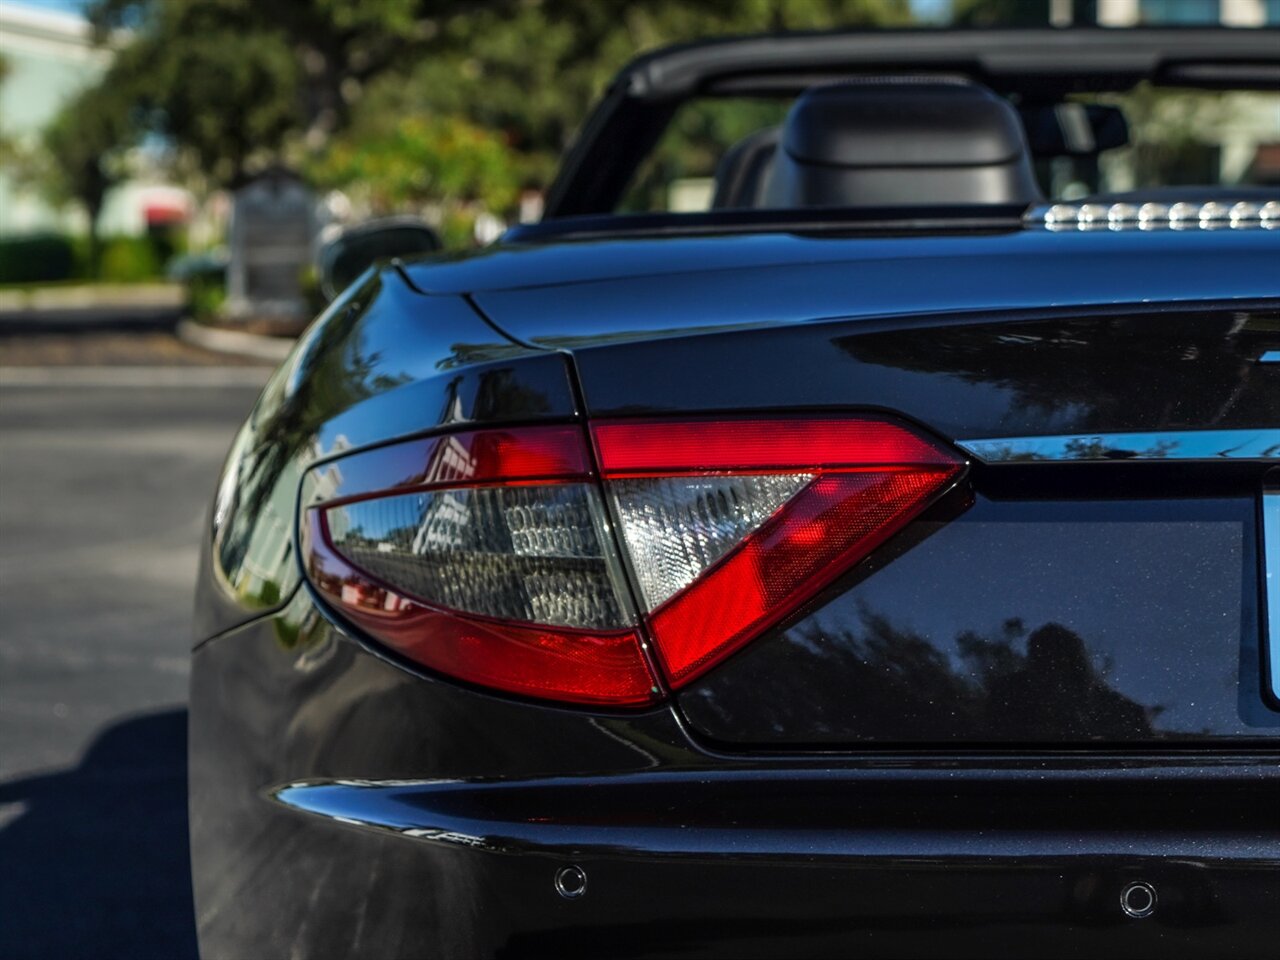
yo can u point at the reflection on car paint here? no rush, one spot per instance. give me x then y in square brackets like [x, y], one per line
[383, 362]
[1171, 445]
[1034, 622]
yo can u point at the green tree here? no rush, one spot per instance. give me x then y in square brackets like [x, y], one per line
[79, 157]
[420, 159]
[390, 98]
[392, 164]
[238, 82]
[533, 70]
[241, 82]
[222, 94]
[6, 146]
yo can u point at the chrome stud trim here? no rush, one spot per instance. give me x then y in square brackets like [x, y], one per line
[1184, 215]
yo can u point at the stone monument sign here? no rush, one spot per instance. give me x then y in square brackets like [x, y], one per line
[273, 228]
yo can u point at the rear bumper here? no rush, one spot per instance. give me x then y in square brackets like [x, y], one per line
[342, 806]
[837, 816]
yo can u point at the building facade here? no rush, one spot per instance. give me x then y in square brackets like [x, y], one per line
[49, 57]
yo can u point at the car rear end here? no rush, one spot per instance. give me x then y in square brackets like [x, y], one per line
[886, 596]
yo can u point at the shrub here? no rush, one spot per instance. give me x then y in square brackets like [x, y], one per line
[129, 260]
[205, 277]
[205, 296]
[36, 258]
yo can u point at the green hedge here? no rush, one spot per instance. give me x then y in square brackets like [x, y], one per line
[129, 260]
[37, 258]
[51, 257]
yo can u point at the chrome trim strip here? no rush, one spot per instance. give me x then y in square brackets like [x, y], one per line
[1271, 570]
[1167, 445]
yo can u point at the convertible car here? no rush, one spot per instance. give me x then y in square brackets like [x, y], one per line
[848, 524]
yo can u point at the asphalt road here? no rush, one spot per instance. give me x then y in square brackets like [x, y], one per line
[102, 495]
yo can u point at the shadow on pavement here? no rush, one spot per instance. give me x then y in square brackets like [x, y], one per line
[95, 863]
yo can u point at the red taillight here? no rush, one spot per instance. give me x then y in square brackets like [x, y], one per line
[659, 448]
[561, 663]
[486, 556]
[490, 556]
[854, 483]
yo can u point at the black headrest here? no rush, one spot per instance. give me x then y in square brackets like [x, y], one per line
[901, 142]
[744, 169]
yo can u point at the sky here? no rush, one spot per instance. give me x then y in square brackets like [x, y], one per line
[925, 9]
[62, 6]
[75, 7]
[931, 9]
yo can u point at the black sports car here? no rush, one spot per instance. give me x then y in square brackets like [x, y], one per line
[884, 561]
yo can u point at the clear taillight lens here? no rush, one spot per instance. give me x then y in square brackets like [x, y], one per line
[490, 556]
[674, 528]
[526, 553]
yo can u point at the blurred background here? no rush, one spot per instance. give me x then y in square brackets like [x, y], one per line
[170, 171]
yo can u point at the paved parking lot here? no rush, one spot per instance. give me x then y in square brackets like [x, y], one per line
[104, 478]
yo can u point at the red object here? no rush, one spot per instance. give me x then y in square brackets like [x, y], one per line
[821, 532]
[164, 211]
[474, 458]
[654, 448]
[558, 663]
[871, 477]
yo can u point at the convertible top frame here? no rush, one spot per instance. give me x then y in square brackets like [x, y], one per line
[1044, 63]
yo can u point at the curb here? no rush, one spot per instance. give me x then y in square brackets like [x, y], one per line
[236, 342]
